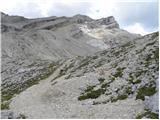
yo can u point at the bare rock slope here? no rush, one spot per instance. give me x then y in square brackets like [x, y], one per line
[90, 69]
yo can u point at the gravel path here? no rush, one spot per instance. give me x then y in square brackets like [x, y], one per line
[59, 100]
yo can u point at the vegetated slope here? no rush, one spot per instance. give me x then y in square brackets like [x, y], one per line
[72, 48]
[121, 82]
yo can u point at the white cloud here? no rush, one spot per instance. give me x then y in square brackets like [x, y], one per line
[69, 9]
[28, 8]
[136, 28]
[102, 9]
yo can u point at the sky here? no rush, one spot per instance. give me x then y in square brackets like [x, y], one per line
[136, 16]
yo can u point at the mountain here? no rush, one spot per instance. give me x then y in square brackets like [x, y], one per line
[77, 67]
[59, 37]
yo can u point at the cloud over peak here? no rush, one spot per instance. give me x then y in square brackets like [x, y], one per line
[130, 14]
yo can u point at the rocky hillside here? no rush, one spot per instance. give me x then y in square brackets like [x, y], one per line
[77, 67]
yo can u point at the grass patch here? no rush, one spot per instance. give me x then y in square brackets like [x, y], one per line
[119, 97]
[4, 105]
[119, 72]
[122, 97]
[128, 90]
[114, 65]
[149, 59]
[147, 114]
[5, 101]
[105, 85]
[156, 54]
[6, 97]
[101, 80]
[138, 73]
[145, 91]
[93, 94]
[89, 88]
[137, 81]
[112, 78]
[134, 81]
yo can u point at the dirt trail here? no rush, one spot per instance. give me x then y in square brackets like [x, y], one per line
[59, 100]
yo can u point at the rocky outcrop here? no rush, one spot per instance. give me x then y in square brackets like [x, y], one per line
[109, 22]
[81, 19]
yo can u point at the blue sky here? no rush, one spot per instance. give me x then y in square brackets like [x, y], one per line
[137, 16]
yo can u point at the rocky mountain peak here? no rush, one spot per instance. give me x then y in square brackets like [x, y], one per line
[81, 18]
[109, 21]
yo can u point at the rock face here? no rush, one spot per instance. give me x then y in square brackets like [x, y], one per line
[88, 68]
[109, 21]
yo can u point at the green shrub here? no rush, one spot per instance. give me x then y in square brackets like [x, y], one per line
[156, 54]
[128, 90]
[119, 72]
[148, 114]
[4, 105]
[119, 97]
[101, 80]
[89, 88]
[112, 78]
[92, 94]
[105, 85]
[122, 97]
[145, 91]
[137, 81]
